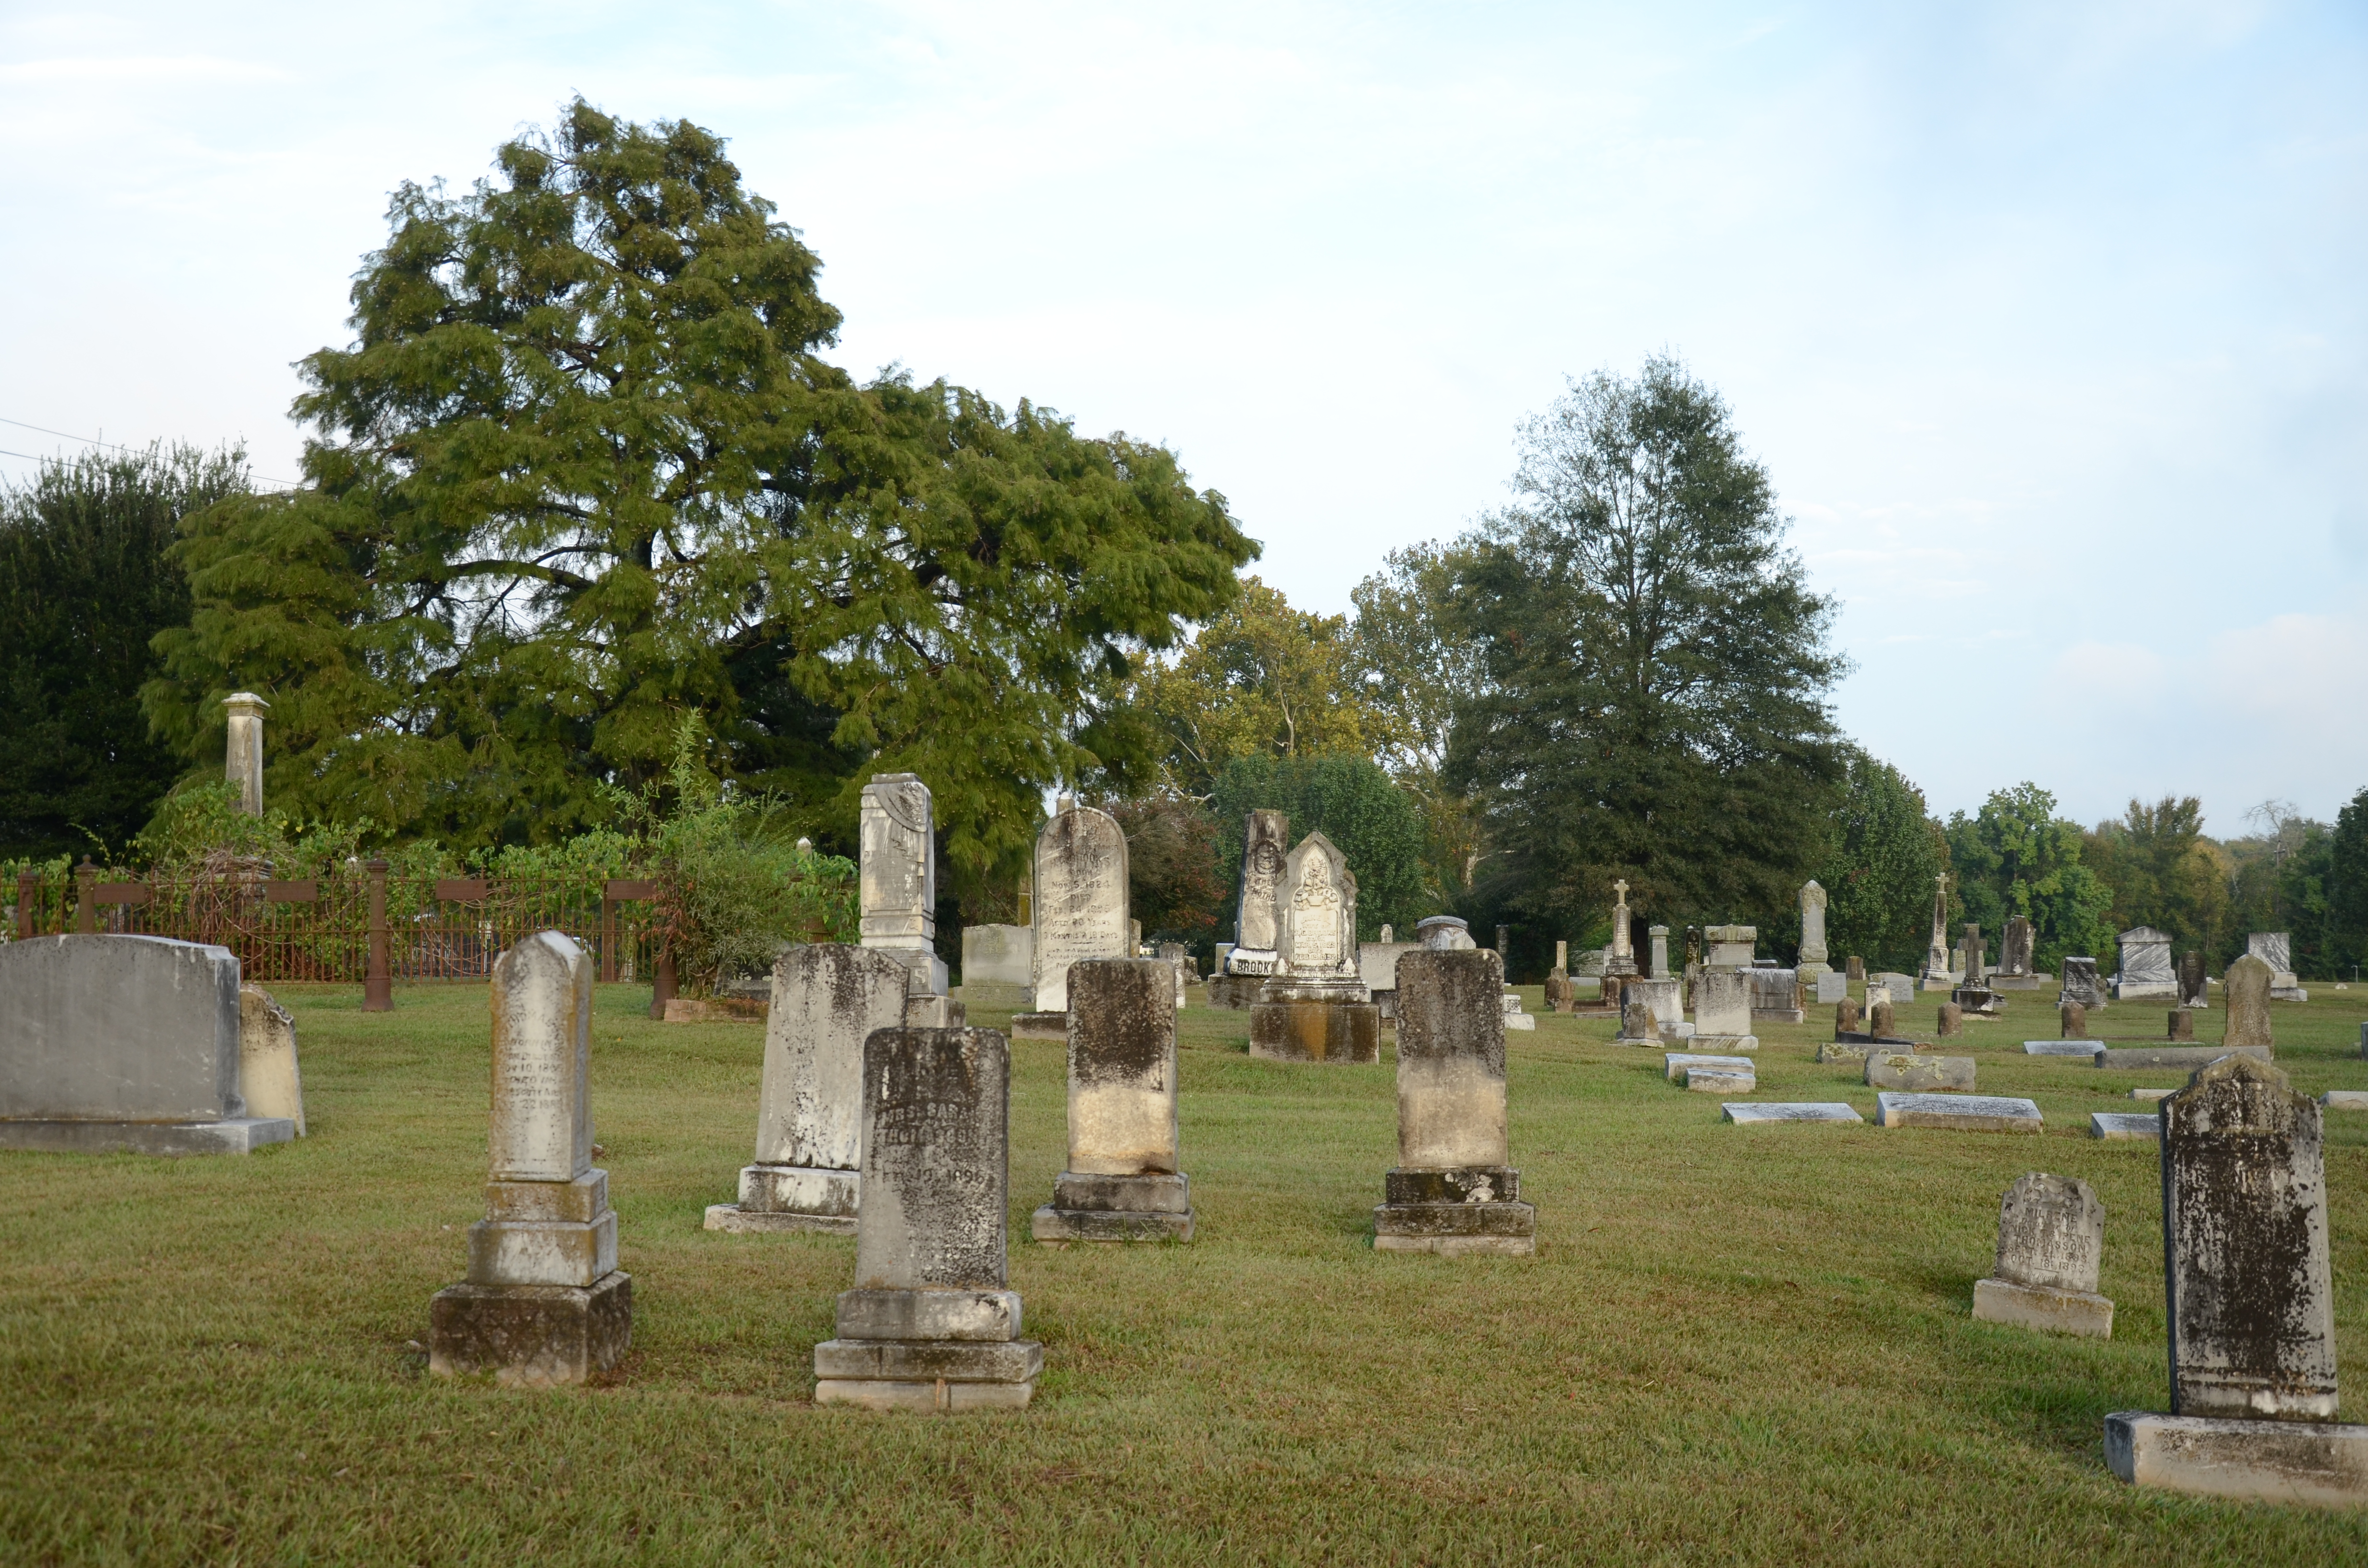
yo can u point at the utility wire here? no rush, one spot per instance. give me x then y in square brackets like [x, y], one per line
[90, 441]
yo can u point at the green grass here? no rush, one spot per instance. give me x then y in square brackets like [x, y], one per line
[1733, 1344]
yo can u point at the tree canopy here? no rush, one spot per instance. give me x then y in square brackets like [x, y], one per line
[2016, 856]
[85, 583]
[1880, 874]
[1367, 818]
[584, 471]
[1655, 665]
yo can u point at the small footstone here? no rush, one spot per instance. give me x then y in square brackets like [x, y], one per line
[1852, 1052]
[1748, 1115]
[2345, 1099]
[1454, 1191]
[2084, 1048]
[2134, 1124]
[1953, 1021]
[1895, 1069]
[2051, 1243]
[1960, 1113]
[2182, 1023]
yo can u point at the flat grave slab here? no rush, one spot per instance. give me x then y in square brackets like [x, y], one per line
[1748, 1115]
[1706, 1080]
[1959, 1113]
[1675, 1062]
[2188, 1056]
[2133, 1124]
[2345, 1099]
[2151, 1096]
[2061, 1048]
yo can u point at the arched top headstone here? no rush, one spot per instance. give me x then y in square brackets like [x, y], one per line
[543, 1060]
[1319, 910]
[1081, 899]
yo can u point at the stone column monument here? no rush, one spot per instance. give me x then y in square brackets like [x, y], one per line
[1936, 973]
[932, 1324]
[1659, 936]
[2249, 1302]
[1813, 934]
[1454, 1190]
[1317, 1007]
[1121, 1184]
[1081, 909]
[544, 1302]
[898, 884]
[243, 764]
[826, 1000]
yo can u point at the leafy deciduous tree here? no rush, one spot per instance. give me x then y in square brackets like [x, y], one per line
[1879, 876]
[1373, 822]
[2016, 856]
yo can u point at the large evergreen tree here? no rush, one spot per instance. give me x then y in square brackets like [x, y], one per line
[85, 583]
[583, 471]
[1654, 667]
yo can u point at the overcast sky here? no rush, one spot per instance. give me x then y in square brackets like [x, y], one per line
[2046, 320]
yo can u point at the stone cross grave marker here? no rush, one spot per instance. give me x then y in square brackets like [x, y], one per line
[544, 1302]
[1454, 1190]
[1121, 1184]
[932, 1324]
[827, 999]
[1623, 960]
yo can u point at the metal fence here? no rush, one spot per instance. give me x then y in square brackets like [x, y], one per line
[361, 926]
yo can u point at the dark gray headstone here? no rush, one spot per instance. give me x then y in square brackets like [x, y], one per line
[936, 1160]
[2248, 1287]
[2081, 982]
[2193, 988]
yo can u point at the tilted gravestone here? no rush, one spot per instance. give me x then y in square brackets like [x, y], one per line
[544, 1302]
[2246, 994]
[2249, 1302]
[2194, 987]
[932, 1323]
[1453, 1191]
[1121, 1184]
[130, 1044]
[2081, 985]
[2051, 1244]
[269, 1079]
[826, 1000]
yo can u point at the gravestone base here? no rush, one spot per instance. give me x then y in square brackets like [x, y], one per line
[2142, 1057]
[1088, 1206]
[2322, 1464]
[2289, 993]
[232, 1135]
[530, 1335]
[790, 1197]
[2044, 1308]
[1316, 1031]
[1779, 1016]
[1472, 1211]
[928, 1350]
[2135, 990]
[2014, 983]
[1726, 1044]
[1040, 1026]
[1234, 992]
[1976, 1001]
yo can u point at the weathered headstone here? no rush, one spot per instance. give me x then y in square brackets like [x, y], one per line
[1637, 1023]
[269, 1078]
[998, 969]
[1882, 1020]
[2249, 1302]
[1674, 1063]
[2146, 965]
[2182, 1023]
[1917, 1075]
[1444, 933]
[1659, 936]
[1812, 964]
[1121, 1184]
[242, 756]
[1832, 986]
[1258, 946]
[1622, 961]
[2015, 971]
[1775, 995]
[1845, 1017]
[827, 999]
[2073, 1018]
[2051, 1244]
[1713, 1078]
[1316, 1007]
[2195, 986]
[1666, 997]
[1730, 947]
[2081, 985]
[1973, 995]
[124, 1043]
[1178, 957]
[1081, 899]
[1453, 1191]
[1936, 973]
[544, 1302]
[1953, 1021]
[897, 881]
[932, 1324]
[1723, 1005]
[2246, 990]
[1857, 970]
[2275, 948]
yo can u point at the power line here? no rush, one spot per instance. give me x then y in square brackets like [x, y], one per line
[112, 445]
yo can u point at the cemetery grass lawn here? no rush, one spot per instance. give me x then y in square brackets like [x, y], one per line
[1734, 1344]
